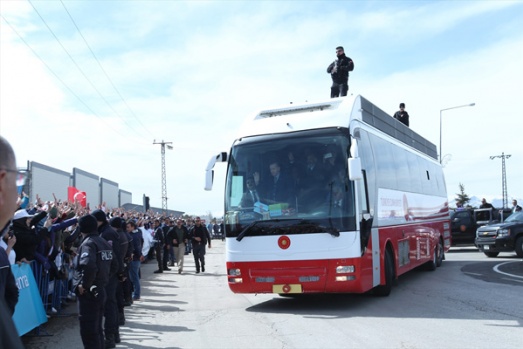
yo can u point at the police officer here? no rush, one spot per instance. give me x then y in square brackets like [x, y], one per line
[111, 314]
[123, 287]
[93, 265]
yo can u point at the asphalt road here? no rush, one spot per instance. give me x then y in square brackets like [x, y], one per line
[470, 302]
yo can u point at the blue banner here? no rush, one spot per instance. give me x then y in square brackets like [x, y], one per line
[29, 311]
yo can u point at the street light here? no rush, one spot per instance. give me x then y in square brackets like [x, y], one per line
[440, 114]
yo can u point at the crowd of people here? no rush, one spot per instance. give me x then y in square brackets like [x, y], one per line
[97, 253]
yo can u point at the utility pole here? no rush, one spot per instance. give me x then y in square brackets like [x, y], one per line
[164, 176]
[503, 177]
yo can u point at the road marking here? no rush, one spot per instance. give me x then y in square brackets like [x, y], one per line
[513, 280]
[496, 269]
[469, 273]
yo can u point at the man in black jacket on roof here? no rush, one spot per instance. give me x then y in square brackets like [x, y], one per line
[339, 71]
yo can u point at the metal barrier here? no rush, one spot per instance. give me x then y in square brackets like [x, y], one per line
[55, 292]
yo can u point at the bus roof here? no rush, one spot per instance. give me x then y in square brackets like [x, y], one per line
[335, 112]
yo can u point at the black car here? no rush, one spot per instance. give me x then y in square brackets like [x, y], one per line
[463, 227]
[502, 237]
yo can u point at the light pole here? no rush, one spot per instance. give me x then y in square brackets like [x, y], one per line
[164, 176]
[440, 115]
[503, 177]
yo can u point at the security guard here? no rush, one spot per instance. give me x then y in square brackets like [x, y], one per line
[111, 331]
[93, 265]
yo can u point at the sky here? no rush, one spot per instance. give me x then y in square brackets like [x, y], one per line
[92, 84]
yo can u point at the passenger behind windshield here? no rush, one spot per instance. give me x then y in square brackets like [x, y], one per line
[279, 188]
[250, 196]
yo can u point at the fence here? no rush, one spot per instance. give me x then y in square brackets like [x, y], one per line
[41, 294]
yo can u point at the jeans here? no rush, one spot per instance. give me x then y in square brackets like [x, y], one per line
[339, 90]
[134, 275]
[198, 251]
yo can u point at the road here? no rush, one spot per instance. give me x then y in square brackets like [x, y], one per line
[470, 302]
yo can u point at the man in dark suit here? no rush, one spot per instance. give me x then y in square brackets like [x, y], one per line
[251, 194]
[279, 188]
[515, 206]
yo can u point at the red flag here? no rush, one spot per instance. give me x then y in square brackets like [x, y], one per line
[74, 195]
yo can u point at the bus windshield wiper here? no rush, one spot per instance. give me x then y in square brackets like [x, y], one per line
[245, 230]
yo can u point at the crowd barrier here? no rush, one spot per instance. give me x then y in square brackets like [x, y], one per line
[40, 295]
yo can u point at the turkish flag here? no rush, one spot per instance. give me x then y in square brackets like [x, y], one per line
[74, 195]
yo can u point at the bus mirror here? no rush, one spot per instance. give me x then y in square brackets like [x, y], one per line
[209, 172]
[355, 173]
[209, 179]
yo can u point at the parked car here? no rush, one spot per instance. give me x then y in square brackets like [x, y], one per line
[502, 237]
[464, 223]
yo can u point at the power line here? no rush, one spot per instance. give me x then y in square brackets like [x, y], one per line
[103, 70]
[81, 71]
[61, 81]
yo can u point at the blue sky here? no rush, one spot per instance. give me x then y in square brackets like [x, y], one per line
[191, 72]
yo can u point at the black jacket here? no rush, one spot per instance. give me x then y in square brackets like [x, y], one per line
[95, 263]
[137, 243]
[344, 65]
[202, 233]
[110, 235]
[27, 238]
[402, 116]
[180, 238]
[8, 289]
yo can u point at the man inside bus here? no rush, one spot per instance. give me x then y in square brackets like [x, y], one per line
[337, 200]
[277, 189]
[251, 194]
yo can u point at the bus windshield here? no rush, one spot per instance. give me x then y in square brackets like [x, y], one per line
[290, 184]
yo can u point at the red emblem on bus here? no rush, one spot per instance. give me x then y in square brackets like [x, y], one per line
[286, 288]
[284, 242]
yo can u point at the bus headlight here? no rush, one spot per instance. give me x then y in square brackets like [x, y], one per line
[234, 272]
[343, 269]
[235, 280]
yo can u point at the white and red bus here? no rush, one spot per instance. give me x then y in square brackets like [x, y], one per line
[346, 199]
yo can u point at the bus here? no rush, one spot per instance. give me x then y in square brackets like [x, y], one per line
[330, 197]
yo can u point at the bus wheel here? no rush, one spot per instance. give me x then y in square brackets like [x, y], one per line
[491, 254]
[431, 266]
[384, 290]
[441, 254]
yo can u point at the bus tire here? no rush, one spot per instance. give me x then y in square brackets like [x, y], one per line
[441, 254]
[432, 265]
[491, 254]
[384, 290]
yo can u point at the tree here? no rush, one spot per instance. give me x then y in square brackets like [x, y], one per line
[462, 198]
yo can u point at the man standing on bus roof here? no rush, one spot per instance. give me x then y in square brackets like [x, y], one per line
[339, 71]
[402, 115]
